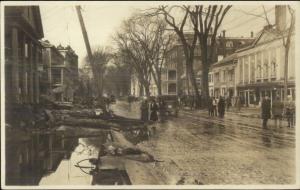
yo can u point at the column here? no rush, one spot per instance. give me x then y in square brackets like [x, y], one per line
[30, 77]
[249, 69]
[62, 84]
[36, 76]
[255, 67]
[24, 70]
[269, 64]
[243, 66]
[15, 67]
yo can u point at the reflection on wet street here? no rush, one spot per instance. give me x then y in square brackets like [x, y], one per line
[59, 157]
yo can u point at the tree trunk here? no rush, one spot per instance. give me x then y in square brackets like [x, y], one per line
[159, 87]
[193, 80]
[147, 90]
[205, 87]
[205, 70]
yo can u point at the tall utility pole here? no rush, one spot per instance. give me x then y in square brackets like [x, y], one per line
[84, 33]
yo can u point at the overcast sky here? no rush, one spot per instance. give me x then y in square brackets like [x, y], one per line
[61, 25]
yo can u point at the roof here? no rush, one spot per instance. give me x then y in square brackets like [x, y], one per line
[226, 59]
[47, 44]
[273, 35]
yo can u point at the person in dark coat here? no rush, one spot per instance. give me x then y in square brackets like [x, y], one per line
[144, 111]
[265, 110]
[277, 110]
[154, 109]
[221, 107]
[228, 103]
[210, 106]
[162, 110]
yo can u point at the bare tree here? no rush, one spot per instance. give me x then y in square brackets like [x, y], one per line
[143, 43]
[188, 44]
[206, 22]
[286, 40]
[100, 58]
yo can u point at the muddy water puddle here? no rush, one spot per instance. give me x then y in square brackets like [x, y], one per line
[65, 156]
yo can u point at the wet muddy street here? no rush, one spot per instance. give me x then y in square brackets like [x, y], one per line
[197, 149]
[191, 149]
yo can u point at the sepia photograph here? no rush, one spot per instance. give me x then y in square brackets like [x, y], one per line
[149, 94]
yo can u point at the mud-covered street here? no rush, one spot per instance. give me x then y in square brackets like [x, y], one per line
[195, 148]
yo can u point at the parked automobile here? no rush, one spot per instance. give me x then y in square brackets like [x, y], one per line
[171, 103]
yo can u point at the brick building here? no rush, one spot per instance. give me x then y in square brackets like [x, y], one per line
[176, 77]
[66, 75]
[51, 79]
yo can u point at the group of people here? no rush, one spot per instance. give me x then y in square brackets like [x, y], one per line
[278, 110]
[216, 106]
[155, 107]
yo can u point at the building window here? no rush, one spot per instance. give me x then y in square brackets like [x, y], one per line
[225, 75]
[217, 77]
[231, 75]
[258, 66]
[266, 64]
[210, 78]
[229, 44]
[172, 88]
[252, 66]
[273, 64]
[26, 50]
[56, 75]
[172, 75]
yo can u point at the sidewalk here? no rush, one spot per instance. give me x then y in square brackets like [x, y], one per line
[244, 112]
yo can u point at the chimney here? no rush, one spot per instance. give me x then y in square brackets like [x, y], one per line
[280, 17]
[251, 34]
[224, 31]
[211, 30]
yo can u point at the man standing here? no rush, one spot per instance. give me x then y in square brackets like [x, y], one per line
[277, 109]
[221, 107]
[265, 110]
[144, 111]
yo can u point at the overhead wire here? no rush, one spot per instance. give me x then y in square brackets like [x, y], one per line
[249, 20]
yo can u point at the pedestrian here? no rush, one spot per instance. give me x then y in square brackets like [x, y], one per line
[214, 106]
[290, 112]
[265, 110]
[210, 106]
[162, 110]
[277, 110]
[228, 102]
[144, 110]
[221, 107]
[154, 109]
[238, 103]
